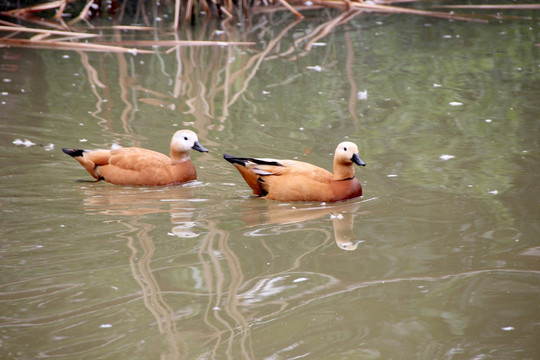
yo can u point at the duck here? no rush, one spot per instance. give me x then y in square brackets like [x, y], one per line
[292, 180]
[137, 166]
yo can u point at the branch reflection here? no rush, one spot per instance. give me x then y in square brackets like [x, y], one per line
[221, 272]
[199, 83]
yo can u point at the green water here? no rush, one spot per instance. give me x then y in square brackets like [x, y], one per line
[439, 260]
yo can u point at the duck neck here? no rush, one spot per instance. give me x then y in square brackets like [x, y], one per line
[179, 157]
[343, 171]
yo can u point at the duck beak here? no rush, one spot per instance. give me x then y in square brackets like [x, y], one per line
[198, 147]
[356, 159]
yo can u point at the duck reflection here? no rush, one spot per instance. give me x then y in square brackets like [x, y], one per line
[259, 213]
[344, 232]
[109, 200]
[176, 200]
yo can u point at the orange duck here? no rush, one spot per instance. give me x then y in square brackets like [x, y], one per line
[136, 166]
[290, 180]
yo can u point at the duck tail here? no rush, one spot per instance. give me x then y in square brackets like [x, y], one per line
[73, 152]
[235, 160]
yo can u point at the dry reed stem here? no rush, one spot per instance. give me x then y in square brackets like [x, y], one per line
[397, 10]
[39, 41]
[145, 43]
[227, 7]
[275, 8]
[41, 37]
[126, 27]
[226, 12]
[83, 14]
[291, 9]
[39, 21]
[34, 8]
[42, 44]
[189, 9]
[61, 9]
[177, 5]
[493, 7]
[10, 24]
[205, 6]
[48, 32]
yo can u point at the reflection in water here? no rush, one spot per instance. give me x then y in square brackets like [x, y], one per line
[228, 292]
[343, 231]
[221, 273]
[152, 295]
[341, 213]
[181, 87]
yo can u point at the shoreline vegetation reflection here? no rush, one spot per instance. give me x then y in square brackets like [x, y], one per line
[65, 25]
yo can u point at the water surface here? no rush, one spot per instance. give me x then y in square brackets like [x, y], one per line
[439, 260]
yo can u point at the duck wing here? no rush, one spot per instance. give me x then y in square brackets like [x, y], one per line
[286, 180]
[137, 159]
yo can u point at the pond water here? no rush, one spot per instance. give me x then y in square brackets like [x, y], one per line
[440, 259]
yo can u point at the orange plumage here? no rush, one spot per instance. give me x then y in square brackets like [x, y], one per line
[291, 180]
[136, 166]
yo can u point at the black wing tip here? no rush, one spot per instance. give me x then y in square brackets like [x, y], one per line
[243, 160]
[234, 159]
[73, 152]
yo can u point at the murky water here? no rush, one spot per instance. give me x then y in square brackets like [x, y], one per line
[439, 260]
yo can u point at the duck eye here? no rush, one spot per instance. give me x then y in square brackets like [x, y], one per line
[185, 138]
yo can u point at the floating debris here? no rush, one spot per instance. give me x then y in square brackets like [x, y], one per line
[446, 157]
[456, 103]
[362, 95]
[24, 142]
